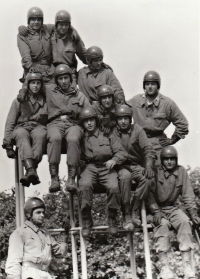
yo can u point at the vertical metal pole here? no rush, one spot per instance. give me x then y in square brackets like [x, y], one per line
[18, 222]
[73, 238]
[146, 243]
[21, 190]
[132, 255]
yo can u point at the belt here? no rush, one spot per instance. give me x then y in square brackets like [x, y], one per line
[35, 265]
[42, 62]
[153, 134]
[97, 164]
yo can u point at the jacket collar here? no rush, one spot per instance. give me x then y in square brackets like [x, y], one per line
[39, 99]
[96, 134]
[156, 101]
[33, 227]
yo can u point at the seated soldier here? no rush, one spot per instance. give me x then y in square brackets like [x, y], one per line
[96, 74]
[64, 104]
[31, 246]
[138, 166]
[100, 154]
[172, 181]
[25, 126]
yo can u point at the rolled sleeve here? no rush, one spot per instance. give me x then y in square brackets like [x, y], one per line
[58, 249]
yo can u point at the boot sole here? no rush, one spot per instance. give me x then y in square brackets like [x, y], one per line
[24, 182]
[33, 179]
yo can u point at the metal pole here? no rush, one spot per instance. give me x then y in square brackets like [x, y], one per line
[21, 190]
[18, 222]
[146, 243]
[73, 237]
[132, 255]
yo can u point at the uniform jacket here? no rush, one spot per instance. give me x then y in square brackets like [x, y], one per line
[33, 112]
[100, 148]
[64, 50]
[136, 143]
[158, 116]
[168, 188]
[89, 81]
[61, 103]
[32, 244]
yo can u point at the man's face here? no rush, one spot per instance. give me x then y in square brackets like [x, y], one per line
[35, 86]
[35, 23]
[64, 82]
[90, 124]
[169, 163]
[38, 216]
[106, 101]
[123, 122]
[151, 88]
[96, 63]
[62, 27]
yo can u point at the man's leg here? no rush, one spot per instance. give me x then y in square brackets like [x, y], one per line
[39, 142]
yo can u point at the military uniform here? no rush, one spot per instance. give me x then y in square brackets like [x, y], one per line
[155, 117]
[30, 250]
[63, 116]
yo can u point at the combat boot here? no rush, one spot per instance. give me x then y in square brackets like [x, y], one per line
[87, 223]
[31, 171]
[127, 222]
[112, 221]
[55, 181]
[188, 272]
[24, 180]
[70, 184]
[165, 272]
[136, 213]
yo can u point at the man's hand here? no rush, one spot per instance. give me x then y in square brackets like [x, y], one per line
[11, 153]
[34, 70]
[105, 120]
[195, 220]
[157, 218]
[119, 100]
[23, 30]
[149, 173]
[106, 131]
[110, 164]
[165, 142]
[22, 94]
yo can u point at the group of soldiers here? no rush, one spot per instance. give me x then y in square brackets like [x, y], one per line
[86, 112]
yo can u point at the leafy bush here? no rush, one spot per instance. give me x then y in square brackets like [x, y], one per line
[106, 257]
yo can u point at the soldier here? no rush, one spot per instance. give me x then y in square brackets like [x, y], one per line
[172, 181]
[154, 112]
[31, 246]
[100, 154]
[96, 74]
[35, 46]
[25, 125]
[66, 42]
[64, 104]
[139, 165]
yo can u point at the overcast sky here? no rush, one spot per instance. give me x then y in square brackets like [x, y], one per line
[135, 36]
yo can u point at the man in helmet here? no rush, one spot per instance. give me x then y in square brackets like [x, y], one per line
[31, 246]
[172, 181]
[100, 154]
[35, 46]
[139, 165]
[64, 104]
[26, 127]
[154, 112]
[96, 74]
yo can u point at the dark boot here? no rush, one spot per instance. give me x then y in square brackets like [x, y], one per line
[165, 272]
[70, 184]
[188, 272]
[31, 171]
[136, 212]
[87, 223]
[55, 181]
[112, 221]
[127, 222]
[24, 180]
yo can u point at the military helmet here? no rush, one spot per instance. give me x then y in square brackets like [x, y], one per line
[62, 16]
[33, 76]
[168, 152]
[88, 112]
[152, 76]
[104, 90]
[34, 12]
[92, 53]
[63, 69]
[123, 110]
[31, 204]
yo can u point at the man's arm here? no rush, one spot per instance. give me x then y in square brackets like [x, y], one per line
[15, 256]
[120, 154]
[80, 47]
[58, 249]
[25, 52]
[116, 86]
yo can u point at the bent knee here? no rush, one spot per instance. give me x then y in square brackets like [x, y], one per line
[124, 174]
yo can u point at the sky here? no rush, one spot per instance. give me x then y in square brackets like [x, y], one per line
[135, 36]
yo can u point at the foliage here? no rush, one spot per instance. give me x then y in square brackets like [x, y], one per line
[106, 257]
